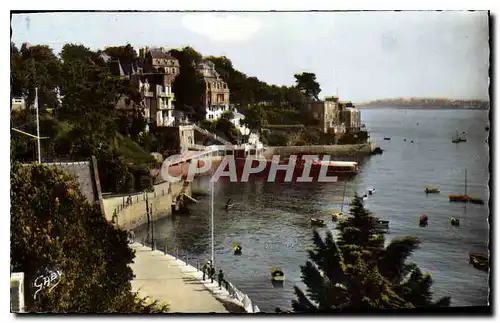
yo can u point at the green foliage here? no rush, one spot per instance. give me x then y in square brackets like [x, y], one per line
[358, 272]
[222, 127]
[87, 122]
[52, 225]
[31, 67]
[255, 118]
[276, 138]
[307, 85]
[189, 86]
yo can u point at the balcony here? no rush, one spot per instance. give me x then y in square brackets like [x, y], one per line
[166, 95]
[164, 107]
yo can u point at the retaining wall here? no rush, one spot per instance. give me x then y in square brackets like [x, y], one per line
[334, 150]
[134, 214]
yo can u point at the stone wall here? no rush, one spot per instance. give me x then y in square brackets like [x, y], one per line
[334, 150]
[133, 215]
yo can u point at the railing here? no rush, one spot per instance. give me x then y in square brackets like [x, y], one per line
[131, 200]
[211, 135]
[195, 262]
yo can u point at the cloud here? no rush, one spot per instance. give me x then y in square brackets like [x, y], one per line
[219, 28]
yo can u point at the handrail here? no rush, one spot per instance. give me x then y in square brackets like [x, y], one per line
[213, 136]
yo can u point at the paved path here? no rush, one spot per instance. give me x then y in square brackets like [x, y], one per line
[164, 278]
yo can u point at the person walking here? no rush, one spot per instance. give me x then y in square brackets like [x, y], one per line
[205, 270]
[212, 273]
[220, 278]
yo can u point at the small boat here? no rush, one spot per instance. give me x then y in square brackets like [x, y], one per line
[229, 206]
[459, 138]
[237, 248]
[277, 275]
[476, 200]
[371, 190]
[381, 225]
[431, 189]
[423, 220]
[377, 151]
[405, 139]
[412, 141]
[338, 216]
[461, 197]
[479, 260]
[486, 128]
[318, 222]
[455, 222]
[387, 138]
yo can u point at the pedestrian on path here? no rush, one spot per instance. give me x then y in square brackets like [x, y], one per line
[221, 278]
[212, 273]
[205, 270]
[131, 236]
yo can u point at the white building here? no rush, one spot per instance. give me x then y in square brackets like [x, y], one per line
[158, 103]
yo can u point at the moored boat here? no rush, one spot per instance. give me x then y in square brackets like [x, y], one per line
[387, 138]
[277, 275]
[479, 260]
[318, 222]
[431, 189]
[459, 138]
[461, 197]
[237, 248]
[423, 220]
[337, 216]
[371, 190]
[455, 222]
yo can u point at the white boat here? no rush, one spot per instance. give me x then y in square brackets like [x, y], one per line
[371, 190]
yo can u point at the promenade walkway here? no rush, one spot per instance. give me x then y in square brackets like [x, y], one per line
[164, 278]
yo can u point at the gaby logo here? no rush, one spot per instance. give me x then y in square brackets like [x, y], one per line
[47, 278]
[306, 169]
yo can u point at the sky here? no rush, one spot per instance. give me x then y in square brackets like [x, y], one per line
[360, 56]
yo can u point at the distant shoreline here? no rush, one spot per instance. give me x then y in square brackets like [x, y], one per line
[418, 107]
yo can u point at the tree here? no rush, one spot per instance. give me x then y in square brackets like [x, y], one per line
[306, 83]
[357, 272]
[52, 225]
[255, 118]
[39, 68]
[74, 52]
[189, 86]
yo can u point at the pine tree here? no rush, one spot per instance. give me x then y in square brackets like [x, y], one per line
[357, 272]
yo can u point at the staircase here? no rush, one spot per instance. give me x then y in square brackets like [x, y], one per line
[211, 135]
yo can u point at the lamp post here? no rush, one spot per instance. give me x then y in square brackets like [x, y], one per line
[212, 216]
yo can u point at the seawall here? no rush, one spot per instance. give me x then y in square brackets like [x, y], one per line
[333, 150]
[129, 216]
